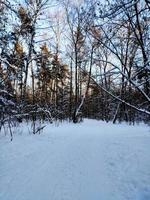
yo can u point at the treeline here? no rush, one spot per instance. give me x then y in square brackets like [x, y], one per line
[96, 65]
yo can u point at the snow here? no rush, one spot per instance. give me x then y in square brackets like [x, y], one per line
[92, 160]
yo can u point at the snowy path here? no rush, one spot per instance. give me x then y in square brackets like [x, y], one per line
[89, 161]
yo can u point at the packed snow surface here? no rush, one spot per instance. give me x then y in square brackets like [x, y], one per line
[92, 160]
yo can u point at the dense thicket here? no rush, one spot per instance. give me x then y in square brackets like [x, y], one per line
[95, 65]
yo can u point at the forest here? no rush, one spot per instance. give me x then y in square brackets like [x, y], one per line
[69, 60]
[74, 99]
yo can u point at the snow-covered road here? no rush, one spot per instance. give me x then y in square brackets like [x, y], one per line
[88, 161]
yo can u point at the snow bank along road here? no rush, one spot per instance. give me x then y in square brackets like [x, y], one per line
[88, 161]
